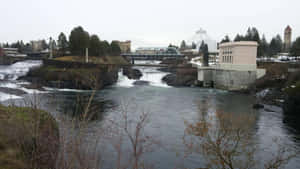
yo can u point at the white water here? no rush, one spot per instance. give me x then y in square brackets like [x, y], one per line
[63, 90]
[10, 74]
[150, 74]
[4, 96]
[123, 80]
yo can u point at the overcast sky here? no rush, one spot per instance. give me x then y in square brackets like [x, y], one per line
[146, 22]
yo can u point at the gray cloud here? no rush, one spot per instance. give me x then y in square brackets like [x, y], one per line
[146, 22]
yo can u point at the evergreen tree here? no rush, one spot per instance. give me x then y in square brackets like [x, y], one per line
[62, 43]
[264, 46]
[172, 46]
[79, 41]
[238, 38]
[295, 49]
[183, 45]
[44, 45]
[275, 45]
[205, 55]
[255, 35]
[201, 48]
[248, 36]
[194, 46]
[28, 48]
[226, 39]
[204, 50]
[115, 48]
[106, 48]
[252, 34]
[54, 44]
[95, 46]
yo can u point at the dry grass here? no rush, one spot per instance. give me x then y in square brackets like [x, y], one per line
[28, 138]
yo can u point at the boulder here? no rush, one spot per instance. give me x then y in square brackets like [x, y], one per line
[179, 80]
[258, 106]
[141, 83]
[132, 73]
[11, 91]
[291, 104]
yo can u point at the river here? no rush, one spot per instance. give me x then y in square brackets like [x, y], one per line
[168, 107]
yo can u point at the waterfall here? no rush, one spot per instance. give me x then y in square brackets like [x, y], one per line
[150, 74]
[9, 75]
[14, 71]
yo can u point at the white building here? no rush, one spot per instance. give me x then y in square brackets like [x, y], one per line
[13, 52]
[236, 68]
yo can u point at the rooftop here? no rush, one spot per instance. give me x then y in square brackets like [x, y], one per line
[239, 43]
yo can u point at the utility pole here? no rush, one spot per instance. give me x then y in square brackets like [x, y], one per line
[50, 46]
[87, 55]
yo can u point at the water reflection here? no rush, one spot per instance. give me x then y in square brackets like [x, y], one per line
[82, 105]
[293, 126]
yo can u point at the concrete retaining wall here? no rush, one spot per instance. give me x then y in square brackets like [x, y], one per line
[233, 80]
[227, 79]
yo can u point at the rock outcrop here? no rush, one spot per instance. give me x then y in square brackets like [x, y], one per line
[182, 77]
[73, 76]
[132, 73]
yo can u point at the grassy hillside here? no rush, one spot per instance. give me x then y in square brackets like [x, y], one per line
[28, 138]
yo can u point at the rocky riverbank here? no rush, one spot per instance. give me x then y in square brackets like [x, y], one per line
[182, 77]
[132, 73]
[72, 75]
[279, 87]
[179, 77]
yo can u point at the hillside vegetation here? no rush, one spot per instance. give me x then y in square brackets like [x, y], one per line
[29, 138]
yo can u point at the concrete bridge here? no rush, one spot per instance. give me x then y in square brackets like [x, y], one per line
[12, 60]
[160, 56]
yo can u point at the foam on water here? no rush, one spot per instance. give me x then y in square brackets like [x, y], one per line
[154, 77]
[9, 75]
[4, 96]
[12, 72]
[150, 74]
[124, 81]
[63, 90]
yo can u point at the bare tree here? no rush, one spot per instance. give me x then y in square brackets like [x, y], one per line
[227, 141]
[132, 129]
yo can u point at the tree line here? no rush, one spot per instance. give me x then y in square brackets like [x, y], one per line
[80, 39]
[76, 44]
[265, 48]
[26, 47]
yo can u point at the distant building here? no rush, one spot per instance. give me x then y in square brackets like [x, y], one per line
[37, 46]
[287, 38]
[190, 52]
[125, 46]
[236, 67]
[13, 52]
[238, 55]
[156, 50]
